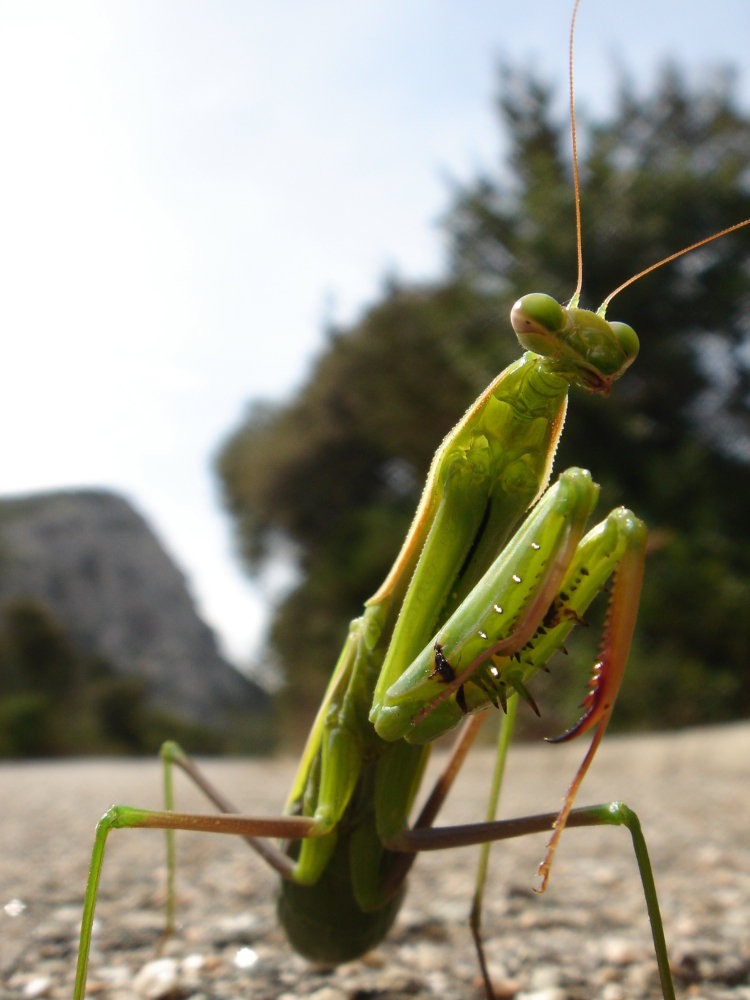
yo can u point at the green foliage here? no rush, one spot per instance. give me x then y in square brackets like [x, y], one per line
[57, 700]
[334, 475]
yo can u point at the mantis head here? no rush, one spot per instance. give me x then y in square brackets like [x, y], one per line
[582, 345]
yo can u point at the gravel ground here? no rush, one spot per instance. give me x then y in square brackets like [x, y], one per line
[587, 937]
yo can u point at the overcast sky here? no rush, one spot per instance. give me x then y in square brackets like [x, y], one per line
[190, 191]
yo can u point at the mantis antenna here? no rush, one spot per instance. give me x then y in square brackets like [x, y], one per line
[576, 182]
[665, 260]
[577, 192]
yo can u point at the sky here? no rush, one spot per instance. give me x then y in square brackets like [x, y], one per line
[190, 192]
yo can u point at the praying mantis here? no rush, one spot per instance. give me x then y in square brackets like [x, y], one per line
[473, 607]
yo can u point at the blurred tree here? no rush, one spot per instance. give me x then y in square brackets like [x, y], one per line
[336, 472]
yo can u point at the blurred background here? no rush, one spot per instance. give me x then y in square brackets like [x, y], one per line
[257, 260]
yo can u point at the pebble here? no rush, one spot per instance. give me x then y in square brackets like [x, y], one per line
[544, 978]
[37, 986]
[327, 993]
[620, 951]
[157, 979]
[553, 993]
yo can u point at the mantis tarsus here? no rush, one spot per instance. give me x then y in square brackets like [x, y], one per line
[473, 606]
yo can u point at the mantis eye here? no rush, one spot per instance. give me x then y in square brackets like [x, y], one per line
[627, 338]
[537, 313]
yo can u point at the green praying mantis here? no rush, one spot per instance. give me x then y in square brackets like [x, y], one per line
[472, 608]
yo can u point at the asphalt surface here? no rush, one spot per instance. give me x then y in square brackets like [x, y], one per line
[586, 937]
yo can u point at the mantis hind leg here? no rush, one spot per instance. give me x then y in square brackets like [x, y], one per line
[475, 916]
[255, 830]
[607, 814]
